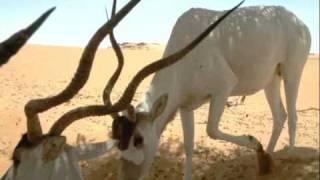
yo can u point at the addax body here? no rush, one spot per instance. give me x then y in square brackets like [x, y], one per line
[252, 50]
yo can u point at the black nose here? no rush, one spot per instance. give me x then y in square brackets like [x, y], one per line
[138, 141]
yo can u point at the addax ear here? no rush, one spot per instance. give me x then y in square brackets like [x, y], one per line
[159, 106]
[52, 147]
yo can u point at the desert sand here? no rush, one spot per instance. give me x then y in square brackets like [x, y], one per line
[39, 71]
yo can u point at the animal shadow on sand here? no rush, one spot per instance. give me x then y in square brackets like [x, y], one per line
[212, 164]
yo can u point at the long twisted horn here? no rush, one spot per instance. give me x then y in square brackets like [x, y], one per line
[13, 44]
[108, 89]
[98, 110]
[33, 107]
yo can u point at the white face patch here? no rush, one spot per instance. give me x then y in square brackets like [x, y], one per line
[138, 155]
[133, 155]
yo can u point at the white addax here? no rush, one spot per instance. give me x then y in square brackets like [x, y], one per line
[253, 49]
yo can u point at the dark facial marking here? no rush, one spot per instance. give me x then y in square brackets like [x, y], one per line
[24, 143]
[122, 130]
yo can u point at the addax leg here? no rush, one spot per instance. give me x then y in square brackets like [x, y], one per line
[187, 119]
[291, 85]
[292, 68]
[216, 109]
[272, 92]
[292, 72]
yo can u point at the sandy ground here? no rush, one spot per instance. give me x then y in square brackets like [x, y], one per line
[39, 71]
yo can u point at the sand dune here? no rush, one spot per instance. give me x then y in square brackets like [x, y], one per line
[38, 71]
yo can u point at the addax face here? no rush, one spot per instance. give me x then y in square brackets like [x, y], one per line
[138, 140]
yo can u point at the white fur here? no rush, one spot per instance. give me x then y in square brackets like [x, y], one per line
[64, 167]
[133, 155]
[253, 49]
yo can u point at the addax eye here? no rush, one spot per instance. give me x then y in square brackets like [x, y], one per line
[138, 141]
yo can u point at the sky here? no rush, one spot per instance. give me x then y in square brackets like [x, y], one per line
[75, 21]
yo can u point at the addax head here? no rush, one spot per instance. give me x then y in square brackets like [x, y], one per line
[136, 131]
[32, 160]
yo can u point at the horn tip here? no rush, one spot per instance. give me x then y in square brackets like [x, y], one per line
[49, 11]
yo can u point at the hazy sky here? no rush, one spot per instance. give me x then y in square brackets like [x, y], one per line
[75, 21]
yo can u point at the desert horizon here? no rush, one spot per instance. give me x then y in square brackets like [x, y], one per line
[43, 70]
[135, 44]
